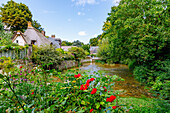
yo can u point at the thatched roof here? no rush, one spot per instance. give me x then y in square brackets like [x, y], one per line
[32, 34]
[55, 41]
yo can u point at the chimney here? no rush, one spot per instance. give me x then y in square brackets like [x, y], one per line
[29, 24]
[52, 36]
[43, 33]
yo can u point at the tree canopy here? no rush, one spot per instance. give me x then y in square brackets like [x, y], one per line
[138, 35]
[66, 43]
[15, 15]
[37, 25]
[77, 43]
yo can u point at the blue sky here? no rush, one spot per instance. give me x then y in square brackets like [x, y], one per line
[70, 19]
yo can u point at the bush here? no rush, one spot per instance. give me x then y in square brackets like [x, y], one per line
[46, 56]
[6, 63]
[78, 52]
[155, 75]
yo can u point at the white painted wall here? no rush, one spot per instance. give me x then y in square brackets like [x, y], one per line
[21, 41]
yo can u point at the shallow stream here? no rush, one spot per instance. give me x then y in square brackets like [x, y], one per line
[129, 88]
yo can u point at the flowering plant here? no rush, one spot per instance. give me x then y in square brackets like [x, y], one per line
[34, 90]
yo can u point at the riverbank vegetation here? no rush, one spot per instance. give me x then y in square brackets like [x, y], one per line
[137, 33]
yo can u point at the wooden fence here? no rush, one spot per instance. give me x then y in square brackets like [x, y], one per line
[20, 54]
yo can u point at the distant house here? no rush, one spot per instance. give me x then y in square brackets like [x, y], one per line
[56, 41]
[31, 36]
[93, 49]
[65, 48]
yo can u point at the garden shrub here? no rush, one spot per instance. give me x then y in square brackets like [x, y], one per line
[6, 63]
[78, 52]
[46, 56]
[155, 75]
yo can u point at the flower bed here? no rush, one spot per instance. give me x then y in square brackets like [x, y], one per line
[33, 91]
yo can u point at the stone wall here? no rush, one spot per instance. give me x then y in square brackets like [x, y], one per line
[67, 64]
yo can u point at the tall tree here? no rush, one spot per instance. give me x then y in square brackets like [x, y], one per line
[66, 43]
[37, 25]
[15, 15]
[78, 43]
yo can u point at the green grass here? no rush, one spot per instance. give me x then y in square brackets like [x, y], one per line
[145, 105]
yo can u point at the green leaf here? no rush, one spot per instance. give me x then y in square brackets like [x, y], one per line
[102, 103]
[83, 102]
[97, 105]
[1, 76]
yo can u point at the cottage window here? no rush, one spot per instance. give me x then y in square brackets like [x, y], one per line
[33, 42]
[17, 41]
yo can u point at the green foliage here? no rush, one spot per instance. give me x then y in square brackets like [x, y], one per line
[1, 25]
[86, 47]
[15, 15]
[37, 25]
[6, 63]
[103, 50]
[77, 43]
[29, 93]
[5, 38]
[66, 43]
[46, 56]
[145, 105]
[138, 35]
[78, 52]
[94, 41]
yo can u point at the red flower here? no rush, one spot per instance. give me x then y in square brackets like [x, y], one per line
[91, 79]
[32, 93]
[83, 87]
[20, 67]
[87, 84]
[88, 81]
[94, 91]
[114, 107]
[105, 90]
[77, 76]
[111, 99]
[100, 108]
[91, 110]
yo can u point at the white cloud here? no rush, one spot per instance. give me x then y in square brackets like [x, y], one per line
[82, 33]
[80, 13]
[84, 2]
[116, 2]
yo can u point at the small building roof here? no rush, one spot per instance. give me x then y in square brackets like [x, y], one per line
[33, 34]
[55, 41]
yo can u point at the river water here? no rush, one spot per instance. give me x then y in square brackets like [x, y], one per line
[129, 88]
